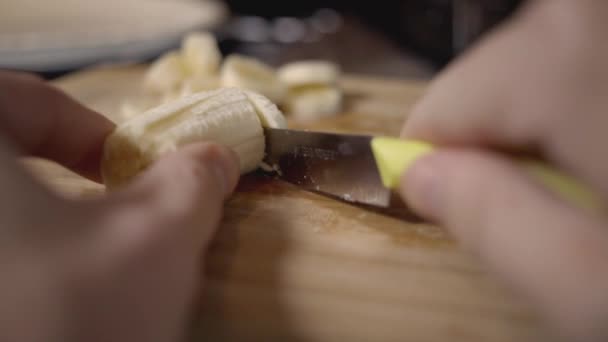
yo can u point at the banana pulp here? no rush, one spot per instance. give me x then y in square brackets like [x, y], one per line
[250, 73]
[306, 89]
[313, 91]
[309, 72]
[230, 117]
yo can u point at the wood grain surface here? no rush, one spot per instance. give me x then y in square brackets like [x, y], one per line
[288, 265]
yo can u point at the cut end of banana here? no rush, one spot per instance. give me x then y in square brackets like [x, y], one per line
[230, 117]
[123, 159]
[268, 112]
[311, 103]
[310, 72]
[201, 54]
[248, 73]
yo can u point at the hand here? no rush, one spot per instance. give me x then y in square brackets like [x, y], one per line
[539, 82]
[122, 268]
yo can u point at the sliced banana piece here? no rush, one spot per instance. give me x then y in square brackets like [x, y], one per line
[309, 72]
[313, 102]
[165, 74]
[248, 73]
[201, 54]
[225, 116]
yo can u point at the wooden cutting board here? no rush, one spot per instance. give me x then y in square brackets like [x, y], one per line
[292, 265]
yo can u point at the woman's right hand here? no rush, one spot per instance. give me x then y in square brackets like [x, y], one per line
[538, 82]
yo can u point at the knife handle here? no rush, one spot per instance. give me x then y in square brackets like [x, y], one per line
[394, 156]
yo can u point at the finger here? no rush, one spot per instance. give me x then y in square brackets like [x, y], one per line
[467, 103]
[148, 242]
[550, 251]
[509, 94]
[181, 195]
[45, 122]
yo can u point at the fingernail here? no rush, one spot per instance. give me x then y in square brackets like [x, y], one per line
[422, 186]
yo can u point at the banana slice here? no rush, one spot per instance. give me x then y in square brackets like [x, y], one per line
[227, 116]
[165, 74]
[310, 72]
[313, 102]
[201, 54]
[248, 73]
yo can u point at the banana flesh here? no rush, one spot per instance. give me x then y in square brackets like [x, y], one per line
[230, 117]
[249, 73]
[201, 55]
[308, 90]
[165, 74]
[193, 68]
[311, 103]
[198, 84]
[311, 72]
[269, 113]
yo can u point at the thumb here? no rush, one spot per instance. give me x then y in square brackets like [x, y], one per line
[186, 188]
[550, 251]
[142, 269]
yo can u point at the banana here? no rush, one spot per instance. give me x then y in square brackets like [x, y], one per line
[310, 103]
[198, 59]
[249, 73]
[309, 72]
[165, 74]
[201, 54]
[129, 110]
[231, 117]
[138, 104]
[198, 84]
[269, 113]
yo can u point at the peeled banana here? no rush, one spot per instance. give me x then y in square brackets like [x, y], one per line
[310, 72]
[270, 115]
[248, 73]
[231, 117]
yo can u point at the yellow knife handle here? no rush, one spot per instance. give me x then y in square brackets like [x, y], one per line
[394, 156]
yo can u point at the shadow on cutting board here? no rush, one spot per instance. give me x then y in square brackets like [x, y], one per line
[241, 296]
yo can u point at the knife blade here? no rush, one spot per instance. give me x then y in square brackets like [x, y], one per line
[337, 165]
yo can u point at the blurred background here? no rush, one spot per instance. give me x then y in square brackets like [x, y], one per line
[390, 38]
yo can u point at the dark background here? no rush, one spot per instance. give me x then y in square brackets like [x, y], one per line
[434, 30]
[386, 38]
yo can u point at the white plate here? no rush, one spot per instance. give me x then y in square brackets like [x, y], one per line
[52, 35]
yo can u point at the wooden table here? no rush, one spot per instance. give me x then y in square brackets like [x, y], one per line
[292, 265]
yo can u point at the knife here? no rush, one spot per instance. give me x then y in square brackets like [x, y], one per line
[364, 169]
[337, 165]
